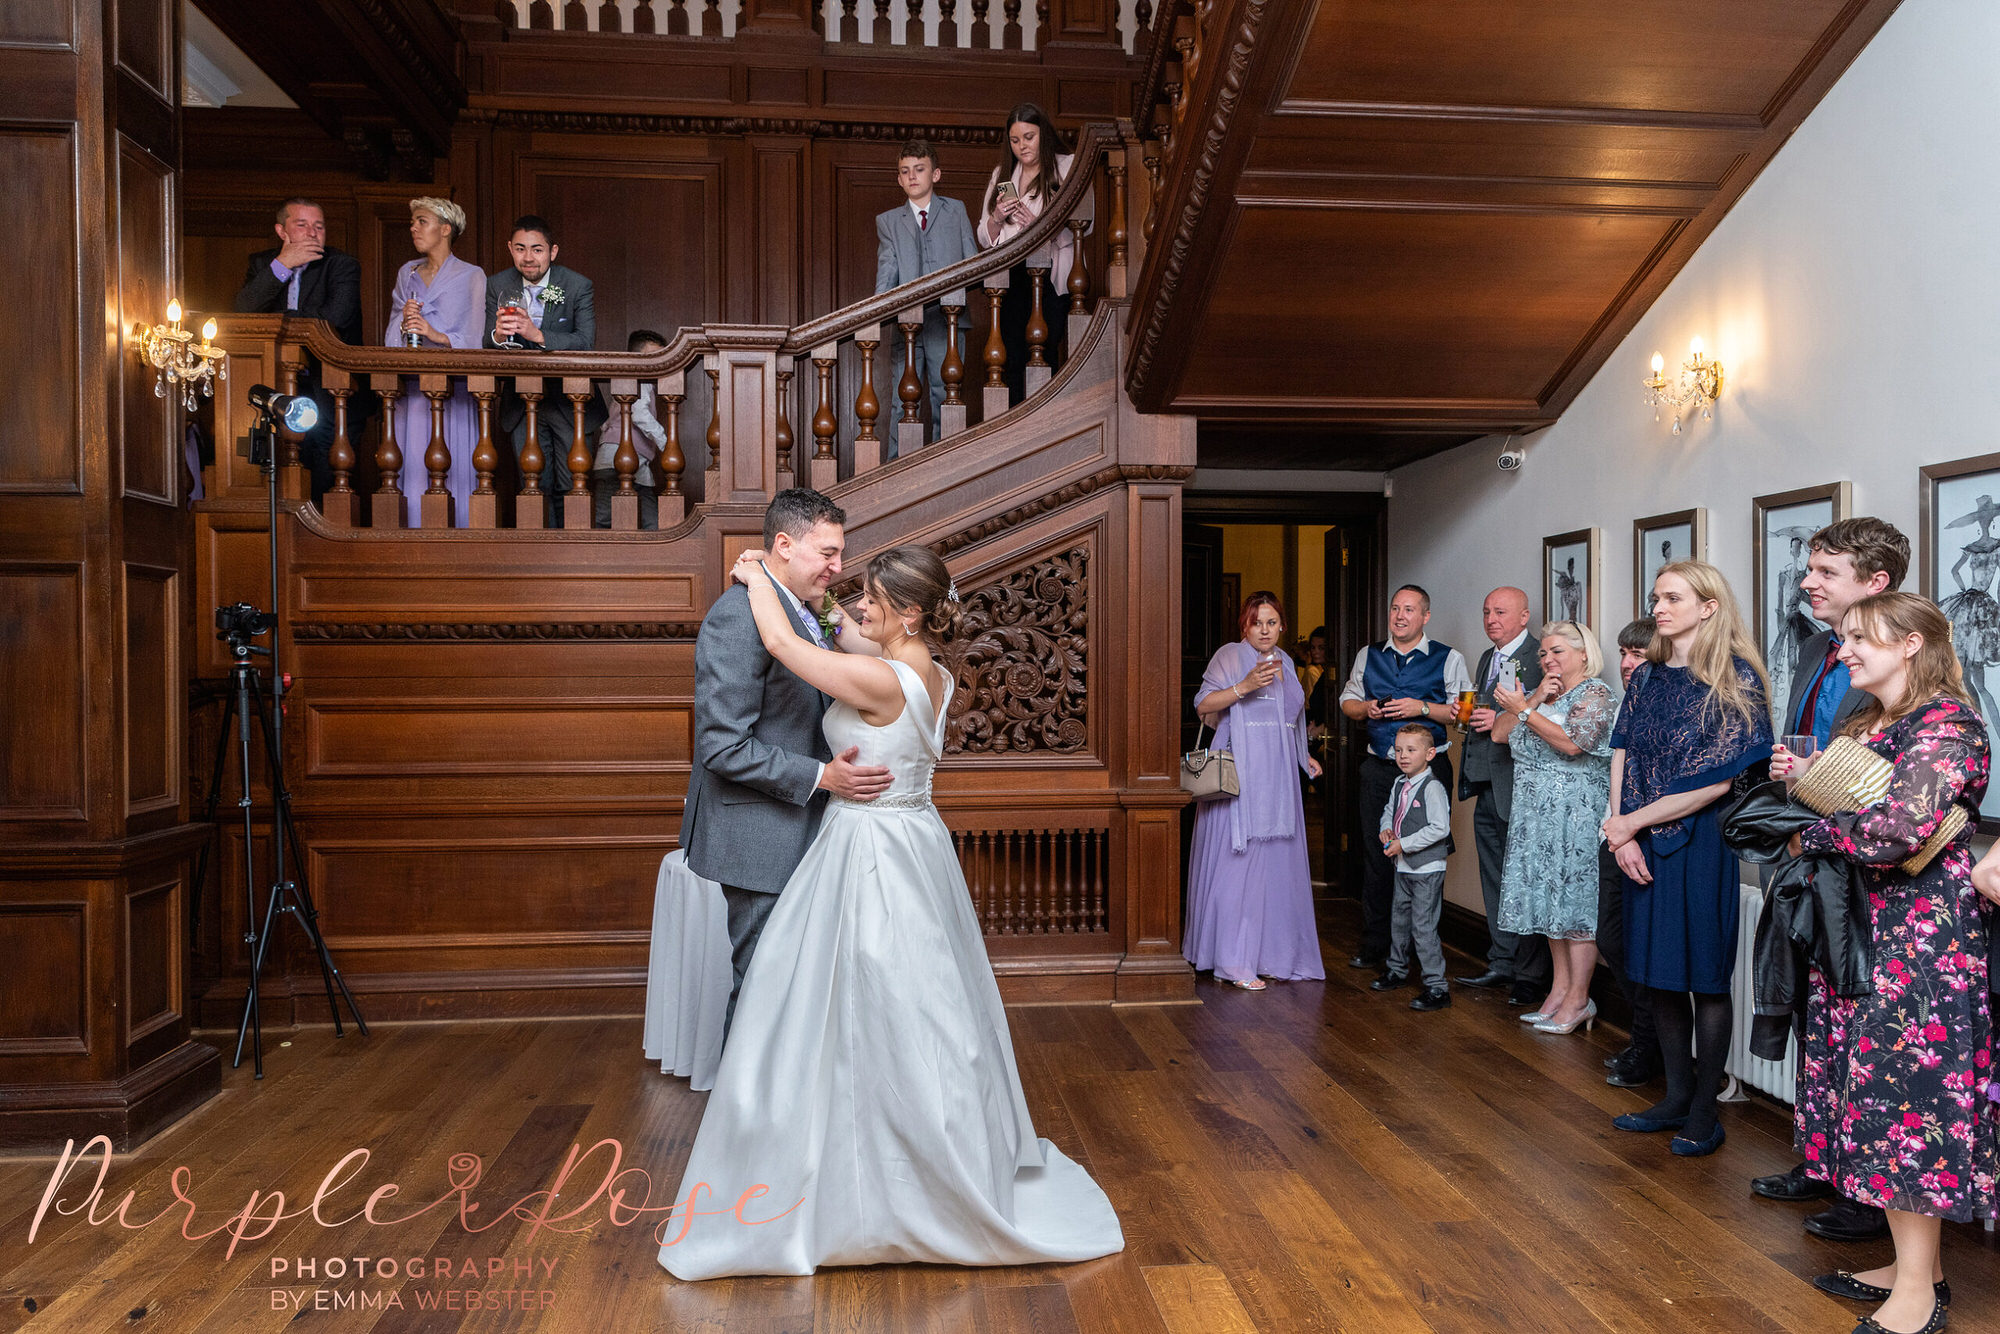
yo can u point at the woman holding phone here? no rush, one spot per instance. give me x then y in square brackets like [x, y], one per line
[1031, 171]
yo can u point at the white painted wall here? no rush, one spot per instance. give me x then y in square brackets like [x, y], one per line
[1853, 297]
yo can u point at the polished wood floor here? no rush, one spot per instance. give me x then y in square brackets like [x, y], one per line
[1315, 1157]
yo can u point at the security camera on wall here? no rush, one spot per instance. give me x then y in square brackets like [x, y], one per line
[1513, 456]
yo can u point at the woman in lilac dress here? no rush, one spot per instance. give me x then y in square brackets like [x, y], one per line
[1250, 908]
[440, 299]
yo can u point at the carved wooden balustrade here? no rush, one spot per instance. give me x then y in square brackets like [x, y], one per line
[758, 408]
[895, 23]
[491, 728]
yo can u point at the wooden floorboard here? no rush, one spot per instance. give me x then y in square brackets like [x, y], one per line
[1316, 1157]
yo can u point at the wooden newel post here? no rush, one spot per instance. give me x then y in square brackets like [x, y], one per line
[387, 509]
[625, 500]
[436, 511]
[576, 501]
[786, 472]
[867, 407]
[673, 463]
[341, 506]
[529, 507]
[910, 389]
[482, 508]
[824, 471]
[951, 416]
[993, 401]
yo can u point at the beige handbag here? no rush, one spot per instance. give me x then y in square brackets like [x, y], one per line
[1208, 774]
[1848, 776]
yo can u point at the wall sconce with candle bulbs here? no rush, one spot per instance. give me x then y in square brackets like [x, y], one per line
[1700, 382]
[172, 353]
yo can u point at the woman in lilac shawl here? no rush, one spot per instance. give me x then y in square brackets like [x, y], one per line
[1250, 909]
[441, 299]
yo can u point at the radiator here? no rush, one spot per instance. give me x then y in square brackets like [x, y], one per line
[1777, 1078]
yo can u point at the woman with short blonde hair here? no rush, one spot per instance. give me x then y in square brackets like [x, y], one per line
[439, 301]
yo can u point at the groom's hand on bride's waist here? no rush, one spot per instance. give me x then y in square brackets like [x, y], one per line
[854, 782]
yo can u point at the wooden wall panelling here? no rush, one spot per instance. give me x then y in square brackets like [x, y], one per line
[40, 436]
[146, 33]
[154, 676]
[151, 459]
[43, 655]
[30, 23]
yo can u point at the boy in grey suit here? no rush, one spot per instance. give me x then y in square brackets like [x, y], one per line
[548, 308]
[760, 757]
[926, 233]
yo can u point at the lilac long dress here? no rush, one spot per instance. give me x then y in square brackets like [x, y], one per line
[455, 304]
[1250, 908]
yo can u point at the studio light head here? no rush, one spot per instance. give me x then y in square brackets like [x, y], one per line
[295, 412]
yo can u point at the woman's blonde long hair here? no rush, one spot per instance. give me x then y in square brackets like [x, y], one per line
[1889, 618]
[1717, 640]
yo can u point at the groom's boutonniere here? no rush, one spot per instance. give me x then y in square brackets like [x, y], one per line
[552, 295]
[830, 617]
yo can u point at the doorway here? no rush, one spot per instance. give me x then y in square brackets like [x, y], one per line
[1323, 556]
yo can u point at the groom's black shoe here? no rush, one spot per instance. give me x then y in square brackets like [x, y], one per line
[1435, 999]
[1489, 978]
[1389, 982]
[1367, 961]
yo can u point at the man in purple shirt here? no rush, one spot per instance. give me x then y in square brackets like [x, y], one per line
[305, 276]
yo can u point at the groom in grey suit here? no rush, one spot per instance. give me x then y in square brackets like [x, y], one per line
[760, 757]
[927, 232]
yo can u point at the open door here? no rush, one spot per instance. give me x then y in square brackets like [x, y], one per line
[1347, 627]
[1201, 614]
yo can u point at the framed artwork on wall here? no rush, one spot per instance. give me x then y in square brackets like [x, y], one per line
[1570, 569]
[1659, 541]
[1959, 507]
[1781, 616]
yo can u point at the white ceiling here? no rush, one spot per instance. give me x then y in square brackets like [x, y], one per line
[216, 73]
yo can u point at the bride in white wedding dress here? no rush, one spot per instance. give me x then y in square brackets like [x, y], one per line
[868, 1085]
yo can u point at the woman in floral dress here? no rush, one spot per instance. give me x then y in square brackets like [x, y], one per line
[1892, 1106]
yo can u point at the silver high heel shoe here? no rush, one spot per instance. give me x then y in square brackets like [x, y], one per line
[1535, 1016]
[1588, 1019]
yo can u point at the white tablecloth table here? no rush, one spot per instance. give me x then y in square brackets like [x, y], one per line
[687, 983]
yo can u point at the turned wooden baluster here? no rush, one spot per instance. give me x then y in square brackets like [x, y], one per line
[625, 500]
[541, 14]
[714, 437]
[1143, 13]
[435, 507]
[910, 387]
[867, 407]
[784, 431]
[672, 462]
[642, 16]
[951, 416]
[608, 17]
[1118, 237]
[913, 24]
[1151, 157]
[1010, 36]
[386, 507]
[1041, 24]
[993, 399]
[576, 501]
[711, 18]
[341, 505]
[982, 28]
[504, 11]
[575, 17]
[850, 25]
[824, 466]
[677, 18]
[529, 507]
[1079, 287]
[483, 506]
[947, 33]
[1037, 371]
[881, 30]
[294, 481]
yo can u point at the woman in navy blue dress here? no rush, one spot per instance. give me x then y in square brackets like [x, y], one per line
[1696, 716]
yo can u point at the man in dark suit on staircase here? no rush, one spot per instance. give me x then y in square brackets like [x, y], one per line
[1486, 778]
[305, 276]
[1847, 561]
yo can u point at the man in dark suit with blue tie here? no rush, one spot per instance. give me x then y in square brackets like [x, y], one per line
[927, 232]
[541, 306]
[1847, 561]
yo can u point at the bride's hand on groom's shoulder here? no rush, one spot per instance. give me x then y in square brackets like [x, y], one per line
[746, 567]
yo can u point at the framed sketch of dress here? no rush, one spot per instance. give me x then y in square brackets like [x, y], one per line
[1659, 541]
[1570, 568]
[1781, 529]
[1960, 557]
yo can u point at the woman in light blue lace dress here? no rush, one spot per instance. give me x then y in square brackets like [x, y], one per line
[1561, 737]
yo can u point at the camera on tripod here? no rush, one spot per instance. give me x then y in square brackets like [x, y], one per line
[239, 623]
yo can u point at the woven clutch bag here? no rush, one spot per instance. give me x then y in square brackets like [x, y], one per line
[1849, 777]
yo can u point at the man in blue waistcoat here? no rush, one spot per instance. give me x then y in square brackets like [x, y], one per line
[1408, 677]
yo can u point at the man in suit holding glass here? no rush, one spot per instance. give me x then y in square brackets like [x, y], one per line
[1486, 778]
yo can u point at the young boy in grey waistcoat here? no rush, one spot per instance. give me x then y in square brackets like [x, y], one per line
[1416, 836]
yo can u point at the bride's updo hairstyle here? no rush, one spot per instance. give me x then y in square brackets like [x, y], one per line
[915, 577]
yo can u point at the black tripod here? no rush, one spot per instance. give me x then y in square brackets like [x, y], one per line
[247, 701]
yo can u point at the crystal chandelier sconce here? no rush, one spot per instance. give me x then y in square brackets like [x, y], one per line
[1700, 382]
[171, 351]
